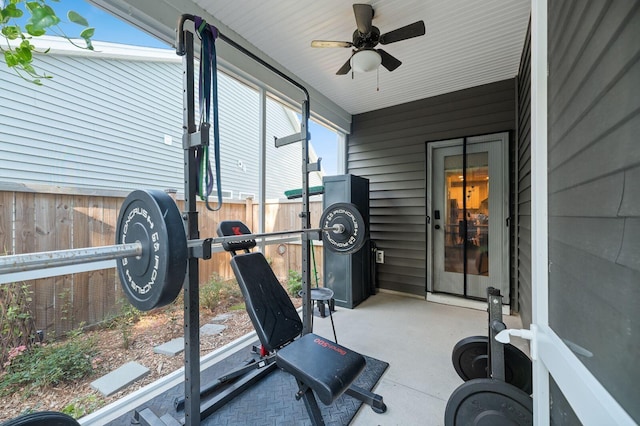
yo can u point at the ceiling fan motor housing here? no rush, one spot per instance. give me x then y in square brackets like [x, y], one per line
[366, 41]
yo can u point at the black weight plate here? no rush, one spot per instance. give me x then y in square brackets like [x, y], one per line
[354, 235]
[470, 357]
[42, 418]
[488, 402]
[155, 278]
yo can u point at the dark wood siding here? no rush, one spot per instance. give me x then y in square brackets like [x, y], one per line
[388, 147]
[594, 195]
[522, 180]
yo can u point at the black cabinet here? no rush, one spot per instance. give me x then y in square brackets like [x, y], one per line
[348, 276]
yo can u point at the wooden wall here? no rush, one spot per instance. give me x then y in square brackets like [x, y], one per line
[32, 222]
[285, 216]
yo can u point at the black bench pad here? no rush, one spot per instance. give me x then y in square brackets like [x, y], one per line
[326, 367]
[273, 315]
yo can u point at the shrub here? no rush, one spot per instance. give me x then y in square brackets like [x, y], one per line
[16, 321]
[124, 320]
[294, 283]
[218, 291]
[49, 364]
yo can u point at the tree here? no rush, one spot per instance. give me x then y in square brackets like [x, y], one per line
[21, 20]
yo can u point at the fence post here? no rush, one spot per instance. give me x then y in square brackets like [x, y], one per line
[248, 213]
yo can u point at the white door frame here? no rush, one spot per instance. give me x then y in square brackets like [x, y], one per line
[503, 138]
[551, 356]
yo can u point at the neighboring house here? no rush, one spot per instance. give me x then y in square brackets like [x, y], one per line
[112, 120]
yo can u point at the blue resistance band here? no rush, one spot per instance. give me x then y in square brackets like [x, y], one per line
[208, 90]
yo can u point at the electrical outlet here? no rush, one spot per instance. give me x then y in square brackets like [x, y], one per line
[379, 256]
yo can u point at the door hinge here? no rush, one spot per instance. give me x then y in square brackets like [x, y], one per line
[531, 334]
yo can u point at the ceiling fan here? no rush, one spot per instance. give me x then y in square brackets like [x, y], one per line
[364, 57]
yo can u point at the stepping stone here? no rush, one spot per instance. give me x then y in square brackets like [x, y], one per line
[120, 378]
[220, 318]
[171, 348]
[212, 329]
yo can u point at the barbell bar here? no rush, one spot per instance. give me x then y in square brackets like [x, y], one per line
[151, 249]
[337, 228]
[49, 259]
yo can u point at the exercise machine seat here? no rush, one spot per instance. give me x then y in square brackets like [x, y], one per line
[273, 315]
[318, 365]
[326, 367]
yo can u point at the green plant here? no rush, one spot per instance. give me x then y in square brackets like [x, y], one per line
[18, 50]
[294, 283]
[83, 405]
[49, 365]
[238, 307]
[128, 315]
[218, 291]
[126, 332]
[65, 301]
[17, 328]
[127, 312]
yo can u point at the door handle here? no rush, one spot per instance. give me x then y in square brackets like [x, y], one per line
[437, 226]
[530, 334]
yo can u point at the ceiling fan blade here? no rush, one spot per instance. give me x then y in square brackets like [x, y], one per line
[388, 61]
[412, 30]
[345, 68]
[364, 15]
[329, 43]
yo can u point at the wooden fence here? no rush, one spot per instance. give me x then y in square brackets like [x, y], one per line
[33, 222]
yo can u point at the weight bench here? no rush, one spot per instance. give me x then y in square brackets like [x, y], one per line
[319, 366]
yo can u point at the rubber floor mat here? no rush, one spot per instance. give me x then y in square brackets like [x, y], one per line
[271, 401]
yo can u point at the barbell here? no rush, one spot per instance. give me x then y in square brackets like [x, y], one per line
[152, 249]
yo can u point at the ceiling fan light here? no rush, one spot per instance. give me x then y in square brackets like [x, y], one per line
[365, 61]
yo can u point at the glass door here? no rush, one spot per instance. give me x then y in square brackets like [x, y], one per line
[468, 209]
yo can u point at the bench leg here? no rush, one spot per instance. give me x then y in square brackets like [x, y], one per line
[310, 403]
[369, 398]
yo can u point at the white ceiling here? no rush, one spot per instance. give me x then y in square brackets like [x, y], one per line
[467, 43]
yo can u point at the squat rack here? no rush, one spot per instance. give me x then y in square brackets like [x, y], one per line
[192, 139]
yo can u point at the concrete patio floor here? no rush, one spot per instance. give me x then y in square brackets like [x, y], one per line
[416, 338]
[413, 335]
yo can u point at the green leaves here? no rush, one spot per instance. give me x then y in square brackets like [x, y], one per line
[86, 35]
[43, 19]
[11, 11]
[76, 18]
[10, 59]
[11, 32]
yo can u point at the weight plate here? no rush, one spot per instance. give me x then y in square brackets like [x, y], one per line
[155, 278]
[488, 402]
[43, 418]
[354, 235]
[470, 358]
